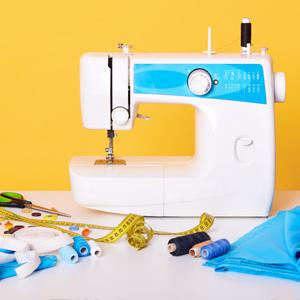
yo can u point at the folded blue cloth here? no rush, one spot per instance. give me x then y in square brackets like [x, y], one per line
[270, 249]
[8, 269]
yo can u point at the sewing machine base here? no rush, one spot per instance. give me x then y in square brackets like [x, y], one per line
[150, 186]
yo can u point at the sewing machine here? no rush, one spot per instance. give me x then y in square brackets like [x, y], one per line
[232, 171]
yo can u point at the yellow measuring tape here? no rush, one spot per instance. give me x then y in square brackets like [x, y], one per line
[138, 232]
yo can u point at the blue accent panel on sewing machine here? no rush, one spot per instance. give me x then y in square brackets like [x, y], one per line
[236, 82]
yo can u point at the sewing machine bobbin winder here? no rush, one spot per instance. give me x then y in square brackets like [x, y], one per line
[232, 171]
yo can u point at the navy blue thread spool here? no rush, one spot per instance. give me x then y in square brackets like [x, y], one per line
[182, 244]
[215, 249]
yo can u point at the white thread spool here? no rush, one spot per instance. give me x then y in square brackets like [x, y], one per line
[95, 249]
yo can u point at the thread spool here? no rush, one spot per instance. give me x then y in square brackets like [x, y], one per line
[195, 250]
[96, 251]
[215, 249]
[81, 246]
[182, 244]
[245, 32]
[68, 255]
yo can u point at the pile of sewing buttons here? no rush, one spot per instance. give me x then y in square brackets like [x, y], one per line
[25, 249]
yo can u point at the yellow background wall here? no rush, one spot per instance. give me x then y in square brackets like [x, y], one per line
[40, 46]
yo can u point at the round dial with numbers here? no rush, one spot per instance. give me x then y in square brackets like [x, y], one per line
[199, 82]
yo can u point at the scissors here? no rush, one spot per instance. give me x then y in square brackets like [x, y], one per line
[12, 199]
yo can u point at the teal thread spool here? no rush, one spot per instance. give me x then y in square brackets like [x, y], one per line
[81, 246]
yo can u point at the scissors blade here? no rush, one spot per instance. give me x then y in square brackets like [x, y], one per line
[44, 209]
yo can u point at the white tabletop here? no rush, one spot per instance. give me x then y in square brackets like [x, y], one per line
[123, 273]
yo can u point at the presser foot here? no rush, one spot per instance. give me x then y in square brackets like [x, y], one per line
[110, 158]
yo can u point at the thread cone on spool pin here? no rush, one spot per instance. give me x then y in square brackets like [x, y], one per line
[182, 244]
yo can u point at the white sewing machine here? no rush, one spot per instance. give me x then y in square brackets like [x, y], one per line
[232, 171]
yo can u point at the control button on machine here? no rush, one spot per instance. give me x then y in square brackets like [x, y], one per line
[120, 115]
[199, 82]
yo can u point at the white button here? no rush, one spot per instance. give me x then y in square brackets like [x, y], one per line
[120, 116]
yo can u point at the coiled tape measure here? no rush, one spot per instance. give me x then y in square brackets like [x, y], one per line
[138, 232]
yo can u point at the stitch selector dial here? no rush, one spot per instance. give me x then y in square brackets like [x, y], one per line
[199, 82]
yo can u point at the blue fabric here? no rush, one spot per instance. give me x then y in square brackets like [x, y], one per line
[270, 249]
[8, 269]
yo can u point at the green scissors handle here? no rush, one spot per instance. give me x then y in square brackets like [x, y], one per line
[12, 199]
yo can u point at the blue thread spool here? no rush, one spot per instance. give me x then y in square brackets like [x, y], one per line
[182, 244]
[215, 249]
[81, 246]
[68, 254]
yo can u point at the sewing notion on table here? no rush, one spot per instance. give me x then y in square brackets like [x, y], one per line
[11, 199]
[231, 173]
[232, 170]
